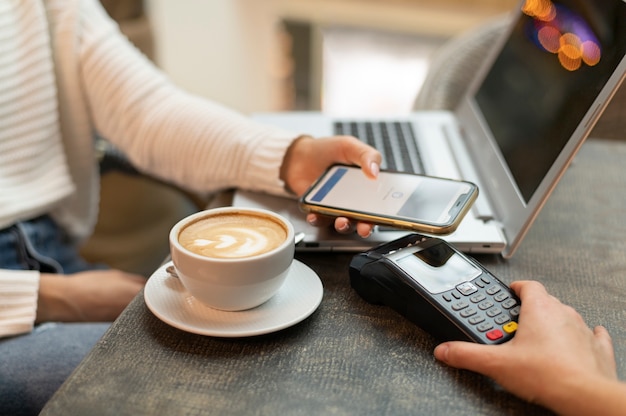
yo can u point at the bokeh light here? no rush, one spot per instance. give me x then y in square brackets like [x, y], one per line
[540, 9]
[550, 38]
[562, 32]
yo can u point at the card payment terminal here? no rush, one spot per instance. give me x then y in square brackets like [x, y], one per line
[443, 291]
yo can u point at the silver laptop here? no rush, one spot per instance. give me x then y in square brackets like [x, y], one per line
[524, 118]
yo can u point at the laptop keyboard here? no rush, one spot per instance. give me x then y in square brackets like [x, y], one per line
[395, 140]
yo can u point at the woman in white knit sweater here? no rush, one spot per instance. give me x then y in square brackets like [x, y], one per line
[67, 74]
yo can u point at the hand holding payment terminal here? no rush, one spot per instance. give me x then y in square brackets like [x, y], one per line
[438, 288]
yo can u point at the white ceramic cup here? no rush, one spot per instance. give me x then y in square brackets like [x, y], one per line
[222, 257]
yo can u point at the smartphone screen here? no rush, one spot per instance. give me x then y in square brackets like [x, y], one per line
[395, 198]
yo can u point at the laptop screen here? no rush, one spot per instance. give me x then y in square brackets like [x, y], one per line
[557, 58]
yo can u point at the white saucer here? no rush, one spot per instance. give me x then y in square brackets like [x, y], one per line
[297, 298]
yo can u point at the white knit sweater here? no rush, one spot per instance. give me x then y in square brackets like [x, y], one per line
[66, 74]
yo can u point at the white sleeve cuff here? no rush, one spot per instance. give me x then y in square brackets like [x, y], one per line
[18, 301]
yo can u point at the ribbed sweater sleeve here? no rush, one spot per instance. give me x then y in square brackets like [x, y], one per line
[18, 301]
[195, 142]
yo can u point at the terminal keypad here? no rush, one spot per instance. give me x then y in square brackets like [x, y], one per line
[487, 304]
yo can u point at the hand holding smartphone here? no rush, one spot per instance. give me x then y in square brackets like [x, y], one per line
[414, 202]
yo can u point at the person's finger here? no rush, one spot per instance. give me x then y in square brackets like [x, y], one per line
[364, 229]
[319, 220]
[343, 225]
[602, 335]
[605, 344]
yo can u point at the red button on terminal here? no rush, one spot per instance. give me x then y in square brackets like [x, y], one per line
[494, 335]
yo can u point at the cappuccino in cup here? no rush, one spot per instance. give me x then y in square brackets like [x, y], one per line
[233, 235]
[232, 258]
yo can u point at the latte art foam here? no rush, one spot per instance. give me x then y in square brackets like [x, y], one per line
[233, 235]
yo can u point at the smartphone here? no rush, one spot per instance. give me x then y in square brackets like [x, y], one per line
[438, 288]
[420, 203]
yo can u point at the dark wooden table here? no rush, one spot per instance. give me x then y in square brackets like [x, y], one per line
[352, 358]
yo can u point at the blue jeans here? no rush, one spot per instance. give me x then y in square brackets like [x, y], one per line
[33, 366]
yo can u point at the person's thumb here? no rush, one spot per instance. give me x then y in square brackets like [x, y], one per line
[466, 355]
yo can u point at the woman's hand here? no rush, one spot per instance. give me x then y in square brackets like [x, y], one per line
[307, 158]
[91, 296]
[555, 359]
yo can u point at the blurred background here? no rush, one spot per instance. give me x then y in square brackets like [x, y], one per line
[341, 56]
